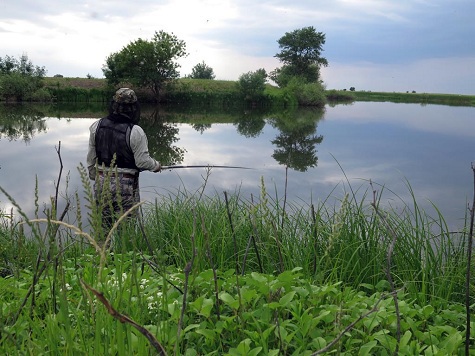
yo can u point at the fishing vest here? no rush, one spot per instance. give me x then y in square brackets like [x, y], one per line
[113, 137]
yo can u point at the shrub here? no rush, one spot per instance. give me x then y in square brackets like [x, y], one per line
[252, 84]
[41, 95]
[307, 94]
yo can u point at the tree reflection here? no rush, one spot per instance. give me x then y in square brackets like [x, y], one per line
[250, 123]
[201, 127]
[21, 122]
[296, 143]
[161, 138]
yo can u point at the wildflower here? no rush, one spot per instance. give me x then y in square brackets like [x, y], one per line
[143, 283]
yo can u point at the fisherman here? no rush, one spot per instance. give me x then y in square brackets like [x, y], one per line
[118, 151]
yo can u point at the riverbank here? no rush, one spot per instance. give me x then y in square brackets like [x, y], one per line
[92, 89]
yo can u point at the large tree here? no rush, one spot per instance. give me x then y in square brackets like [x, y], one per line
[147, 64]
[301, 56]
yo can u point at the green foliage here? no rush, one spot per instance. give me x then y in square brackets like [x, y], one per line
[252, 84]
[21, 80]
[301, 56]
[339, 96]
[262, 314]
[146, 64]
[202, 71]
[307, 94]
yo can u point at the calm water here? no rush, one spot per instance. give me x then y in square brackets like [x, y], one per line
[431, 147]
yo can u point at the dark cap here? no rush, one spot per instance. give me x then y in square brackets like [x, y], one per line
[125, 96]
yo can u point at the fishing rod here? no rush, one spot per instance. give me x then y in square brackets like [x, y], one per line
[203, 166]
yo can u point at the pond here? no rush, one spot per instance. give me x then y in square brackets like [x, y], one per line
[405, 148]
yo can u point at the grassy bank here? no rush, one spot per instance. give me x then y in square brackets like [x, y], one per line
[227, 93]
[417, 98]
[234, 275]
[189, 91]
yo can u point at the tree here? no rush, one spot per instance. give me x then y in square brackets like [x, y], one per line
[301, 56]
[202, 71]
[20, 79]
[253, 84]
[146, 64]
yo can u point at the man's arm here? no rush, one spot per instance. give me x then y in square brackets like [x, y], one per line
[139, 146]
[91, 152]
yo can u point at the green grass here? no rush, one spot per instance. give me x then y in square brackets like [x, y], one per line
[235, 275]
[419, 98]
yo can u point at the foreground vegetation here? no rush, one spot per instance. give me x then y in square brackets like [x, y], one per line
[237, 276]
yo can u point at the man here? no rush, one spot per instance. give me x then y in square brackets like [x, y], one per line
[118, 149]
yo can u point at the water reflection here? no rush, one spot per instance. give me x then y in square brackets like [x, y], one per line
[21, 122]
[250, 124]
[162, 137]
[297, 141]
[295, 144]
[430, 146]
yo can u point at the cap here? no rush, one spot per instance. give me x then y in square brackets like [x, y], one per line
[125, 96]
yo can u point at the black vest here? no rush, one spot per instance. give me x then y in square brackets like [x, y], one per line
[113, 137]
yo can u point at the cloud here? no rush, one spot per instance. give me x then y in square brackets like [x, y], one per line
[435, 75]
[393, 45]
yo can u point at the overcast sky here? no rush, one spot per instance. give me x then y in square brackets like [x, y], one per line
[385, 45]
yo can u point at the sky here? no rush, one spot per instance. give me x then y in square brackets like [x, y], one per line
[373, 45]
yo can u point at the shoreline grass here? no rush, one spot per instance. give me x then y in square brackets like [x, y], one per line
[413, 98]
[235, 275]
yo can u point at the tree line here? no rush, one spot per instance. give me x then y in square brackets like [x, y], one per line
[153, 65]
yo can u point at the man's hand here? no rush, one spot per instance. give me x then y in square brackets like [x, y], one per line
[158, 168]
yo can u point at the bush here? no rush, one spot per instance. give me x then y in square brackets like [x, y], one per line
[308, 94]
[41, 95]
[252, 84]
[339, 95]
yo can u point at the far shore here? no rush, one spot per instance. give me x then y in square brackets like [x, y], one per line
[97, 90]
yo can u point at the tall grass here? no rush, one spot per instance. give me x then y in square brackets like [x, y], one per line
[56, 277]
[345, 242]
